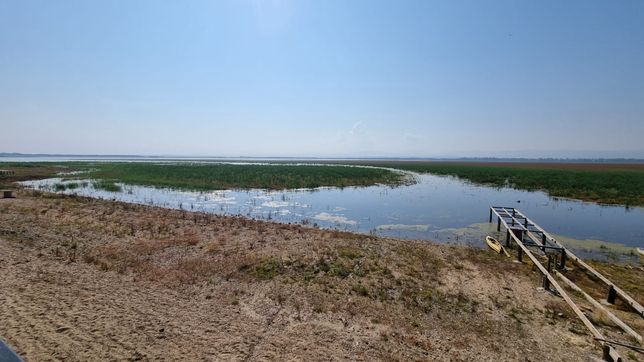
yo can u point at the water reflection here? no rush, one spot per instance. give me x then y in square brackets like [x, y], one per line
[436, 208]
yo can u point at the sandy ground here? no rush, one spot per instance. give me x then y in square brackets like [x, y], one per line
[86, 279]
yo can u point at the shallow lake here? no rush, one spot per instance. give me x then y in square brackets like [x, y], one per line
[437, 208]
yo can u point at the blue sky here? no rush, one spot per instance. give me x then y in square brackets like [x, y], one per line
[323, 78]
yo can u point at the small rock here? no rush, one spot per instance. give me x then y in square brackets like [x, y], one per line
[137, 356]
[61, 329]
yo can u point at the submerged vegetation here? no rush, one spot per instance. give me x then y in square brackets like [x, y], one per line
[106, 185]
[62, 186]
[602, 183]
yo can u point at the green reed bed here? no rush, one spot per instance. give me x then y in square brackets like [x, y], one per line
[610, 185]
[216, 176]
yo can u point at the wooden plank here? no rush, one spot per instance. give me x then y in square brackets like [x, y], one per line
[522, 221]
[598, 305]
[609, 351]
[625, 297]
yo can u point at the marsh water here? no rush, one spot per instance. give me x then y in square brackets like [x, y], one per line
[437, 208]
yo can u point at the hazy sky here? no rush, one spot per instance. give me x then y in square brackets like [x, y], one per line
[323, 78]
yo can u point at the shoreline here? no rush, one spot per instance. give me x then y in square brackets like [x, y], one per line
[595, 249]
[91, 278]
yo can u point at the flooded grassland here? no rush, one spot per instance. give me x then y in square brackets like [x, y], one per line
[440, 208]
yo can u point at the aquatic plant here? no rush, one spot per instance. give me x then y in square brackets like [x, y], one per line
[217, 176]
[603, 183]
[106, 186]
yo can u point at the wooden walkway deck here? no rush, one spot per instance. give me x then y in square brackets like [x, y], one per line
[529, 236]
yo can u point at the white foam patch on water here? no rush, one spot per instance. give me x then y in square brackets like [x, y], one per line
[216, 197]
[324, 216]
[404, 227]
[275, 204]
[72, 173]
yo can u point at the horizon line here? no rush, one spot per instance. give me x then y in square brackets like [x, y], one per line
[161, 156]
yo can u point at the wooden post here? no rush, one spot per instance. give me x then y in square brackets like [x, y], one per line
[562, 260]
[546, 281]
[490, 214]
[520, 255]
[498, 224]
[507, 237]
[611, 295]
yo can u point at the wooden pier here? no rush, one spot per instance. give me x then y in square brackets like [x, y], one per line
[529, 237]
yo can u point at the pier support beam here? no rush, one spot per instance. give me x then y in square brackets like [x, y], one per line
[612, 293]
[562, 260]
[546, 281]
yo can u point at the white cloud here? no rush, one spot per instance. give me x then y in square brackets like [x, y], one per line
[357, 129]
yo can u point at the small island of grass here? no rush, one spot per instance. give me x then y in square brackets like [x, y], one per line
[220, 176]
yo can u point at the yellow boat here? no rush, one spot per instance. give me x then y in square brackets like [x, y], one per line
[496, 245]
[641, 251]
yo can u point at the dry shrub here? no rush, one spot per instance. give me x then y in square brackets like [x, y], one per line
[189, 270]
[213, 247]
[190, 237]
[112, 257]
[599, 317]
[559, 309]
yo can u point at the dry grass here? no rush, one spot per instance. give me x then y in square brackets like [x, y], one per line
[397, 299]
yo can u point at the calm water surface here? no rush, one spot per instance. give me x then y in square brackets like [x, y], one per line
[436, 208]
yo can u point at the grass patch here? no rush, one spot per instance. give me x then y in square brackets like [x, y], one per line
[106, 185]
[215, 176]
[267, 269]
[30, 171]
[69, 186]
[361, 290]
[609, 183]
